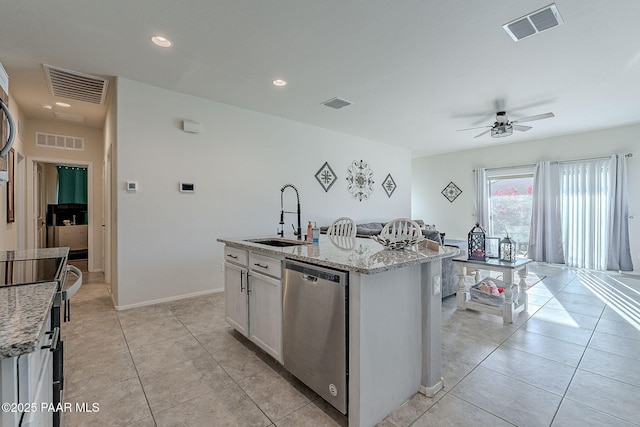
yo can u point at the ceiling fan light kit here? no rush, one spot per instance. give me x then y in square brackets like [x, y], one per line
[501, 131]
[503, 127]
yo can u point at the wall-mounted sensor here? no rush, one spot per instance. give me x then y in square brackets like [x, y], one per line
[132, 186]
[190, 126]
[187, 187]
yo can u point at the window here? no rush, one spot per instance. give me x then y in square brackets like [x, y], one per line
[510, 194]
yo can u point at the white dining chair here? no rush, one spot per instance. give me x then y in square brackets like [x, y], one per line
[343, 226]
[401, 227]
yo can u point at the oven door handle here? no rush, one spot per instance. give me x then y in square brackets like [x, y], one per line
[71, 290]
[55, 335]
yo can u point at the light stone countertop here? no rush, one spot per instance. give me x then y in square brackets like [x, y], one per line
[24, 310]
[360, 255]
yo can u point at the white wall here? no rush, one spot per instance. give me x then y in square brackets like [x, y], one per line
[93, 152]
[431, 174]
[167, 240]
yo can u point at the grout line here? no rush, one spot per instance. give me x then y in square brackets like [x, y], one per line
[136, 369]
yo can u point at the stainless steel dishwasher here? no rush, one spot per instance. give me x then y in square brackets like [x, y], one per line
[315, 329]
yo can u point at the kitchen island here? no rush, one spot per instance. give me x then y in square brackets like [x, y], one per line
[25, 368]
[393, 321]
[32, 288]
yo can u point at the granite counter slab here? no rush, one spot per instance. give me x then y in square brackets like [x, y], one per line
[24, 310]
[352, 254]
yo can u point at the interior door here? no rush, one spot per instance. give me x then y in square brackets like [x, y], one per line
[37, 218]
[41, 208]
[107, 221]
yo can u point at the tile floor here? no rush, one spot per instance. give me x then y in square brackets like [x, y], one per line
[572, 360]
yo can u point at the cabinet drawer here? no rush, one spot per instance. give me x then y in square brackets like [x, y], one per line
[235, 255]
[266, 265]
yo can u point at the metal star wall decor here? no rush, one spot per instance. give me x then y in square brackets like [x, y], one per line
[451, 191]
[389, 185]
[326, 176]
[360, 180]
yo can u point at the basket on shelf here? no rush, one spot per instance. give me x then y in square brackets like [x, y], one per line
[487, 298]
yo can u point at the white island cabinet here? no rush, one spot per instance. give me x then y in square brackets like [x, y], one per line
[394, 308]
[26, 359]
[235, 289]
[253, 298]
[265, 303]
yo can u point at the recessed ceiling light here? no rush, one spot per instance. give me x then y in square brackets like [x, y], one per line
[63, 104]
[46, 106]
[279, 82]
[161, 41]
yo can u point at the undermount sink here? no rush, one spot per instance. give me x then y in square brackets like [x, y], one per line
[280, 243]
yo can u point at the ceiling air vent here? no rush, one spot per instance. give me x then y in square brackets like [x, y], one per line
[70, 117]
[74, 85]
[535, 22]
[336, 103]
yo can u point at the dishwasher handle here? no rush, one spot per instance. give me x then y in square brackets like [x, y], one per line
[309, 278]
[318, 273]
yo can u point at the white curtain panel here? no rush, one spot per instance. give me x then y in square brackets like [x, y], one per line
[545, 240]
[482, 198]
[585, 189]
[619, 253]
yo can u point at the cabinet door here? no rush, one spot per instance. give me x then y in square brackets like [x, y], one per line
[265, 316]
[235, 297]
[43, 394]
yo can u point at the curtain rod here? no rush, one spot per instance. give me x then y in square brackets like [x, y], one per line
[593, 158]
[565, 161]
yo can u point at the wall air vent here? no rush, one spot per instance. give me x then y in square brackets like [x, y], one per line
[535, 22]
[337, 103]
[74, 85]
[59, 141]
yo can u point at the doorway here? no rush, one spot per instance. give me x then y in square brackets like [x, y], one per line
[53, 224]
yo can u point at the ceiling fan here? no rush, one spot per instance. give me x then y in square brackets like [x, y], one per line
[503, 127]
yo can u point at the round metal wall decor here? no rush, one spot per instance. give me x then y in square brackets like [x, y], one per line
[360, 180]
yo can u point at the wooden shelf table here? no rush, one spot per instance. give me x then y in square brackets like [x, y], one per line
[515, 295]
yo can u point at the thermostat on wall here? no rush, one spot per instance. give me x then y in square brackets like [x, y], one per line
[132, 186]
[187, 187]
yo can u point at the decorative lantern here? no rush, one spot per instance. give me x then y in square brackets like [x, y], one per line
[477, 243]
[507, 251]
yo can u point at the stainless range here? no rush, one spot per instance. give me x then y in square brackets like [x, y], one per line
[33, 267]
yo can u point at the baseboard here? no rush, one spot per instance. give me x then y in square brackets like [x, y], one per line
[169, 299]
[431, 391]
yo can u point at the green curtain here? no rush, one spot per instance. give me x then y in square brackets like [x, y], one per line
[72, 185]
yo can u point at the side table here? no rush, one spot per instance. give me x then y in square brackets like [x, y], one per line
[510, 307]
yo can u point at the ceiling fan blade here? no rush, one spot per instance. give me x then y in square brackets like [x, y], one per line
[532, 118]
[521, 128]
[479, 127]
[482, 133]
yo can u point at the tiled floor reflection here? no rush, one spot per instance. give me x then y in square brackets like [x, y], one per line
[572, 359]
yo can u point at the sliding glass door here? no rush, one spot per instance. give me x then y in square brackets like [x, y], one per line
[510, 195]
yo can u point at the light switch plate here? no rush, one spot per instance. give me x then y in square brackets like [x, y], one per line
[437, 285]
[132, 186]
